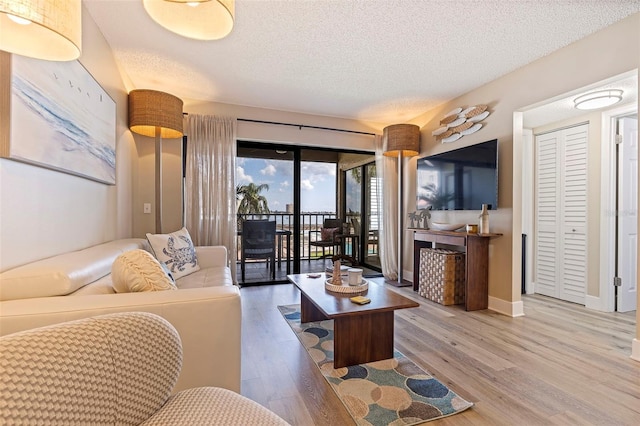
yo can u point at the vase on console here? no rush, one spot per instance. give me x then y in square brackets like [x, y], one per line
[484, 219]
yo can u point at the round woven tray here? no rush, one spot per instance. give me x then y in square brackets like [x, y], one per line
[346, 288]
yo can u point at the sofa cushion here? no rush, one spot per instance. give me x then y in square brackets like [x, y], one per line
[138, 270]
[65, 273]
[176, 250]
[328, 234]
[102, 286]
[206, 277]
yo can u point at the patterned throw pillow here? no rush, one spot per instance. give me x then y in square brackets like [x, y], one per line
[328, 234]
[137, 270]
[176, 250]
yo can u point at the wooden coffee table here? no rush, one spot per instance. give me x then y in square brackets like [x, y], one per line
[362, 333]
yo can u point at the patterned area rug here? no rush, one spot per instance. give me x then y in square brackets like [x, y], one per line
[389, 392]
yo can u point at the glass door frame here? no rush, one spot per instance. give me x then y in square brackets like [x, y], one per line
[364, 219]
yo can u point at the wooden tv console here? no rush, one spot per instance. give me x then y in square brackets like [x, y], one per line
[476, 291]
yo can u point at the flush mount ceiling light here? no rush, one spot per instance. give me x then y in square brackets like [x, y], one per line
[197, 19]
[599, 99]
[42, 29]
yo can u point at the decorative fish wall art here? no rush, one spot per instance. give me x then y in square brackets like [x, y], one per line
[460, 122]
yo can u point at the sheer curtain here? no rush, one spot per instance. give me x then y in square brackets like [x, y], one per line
[210, 182]
[386, 169]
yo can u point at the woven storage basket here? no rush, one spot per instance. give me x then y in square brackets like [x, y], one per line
[442, 275]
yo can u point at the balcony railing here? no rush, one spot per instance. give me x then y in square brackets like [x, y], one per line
[308, 222]
[284, 221]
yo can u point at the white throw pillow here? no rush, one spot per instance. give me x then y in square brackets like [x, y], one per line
[138, 270]
[176, 250]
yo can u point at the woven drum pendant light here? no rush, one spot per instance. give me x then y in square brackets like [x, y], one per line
[401, 140]
[197, 19]
[42, 29]
[156, 114]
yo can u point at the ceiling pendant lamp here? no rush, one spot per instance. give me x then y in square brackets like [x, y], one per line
[42, 29]
[197, 19]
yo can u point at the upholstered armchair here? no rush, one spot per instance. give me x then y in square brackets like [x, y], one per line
[330, 229]
[114, 369]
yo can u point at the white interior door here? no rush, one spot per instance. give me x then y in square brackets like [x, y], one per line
[627, 214]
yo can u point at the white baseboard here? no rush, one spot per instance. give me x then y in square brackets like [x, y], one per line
[510, 309]
[635, 350]
[407, 275]
[595, 303]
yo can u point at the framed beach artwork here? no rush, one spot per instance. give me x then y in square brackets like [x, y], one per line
[59, 117]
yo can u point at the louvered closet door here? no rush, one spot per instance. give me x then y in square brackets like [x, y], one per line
[574, 209]
[548, 200]
[561, 193]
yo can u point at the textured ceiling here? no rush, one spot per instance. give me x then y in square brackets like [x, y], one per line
[379, 60]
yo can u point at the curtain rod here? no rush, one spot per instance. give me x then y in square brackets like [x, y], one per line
[300, 126]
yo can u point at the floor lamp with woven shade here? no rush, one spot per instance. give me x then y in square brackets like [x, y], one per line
[401, 140]
[156, 114]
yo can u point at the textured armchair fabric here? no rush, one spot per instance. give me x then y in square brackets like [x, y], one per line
[111, 369]
[213, 406]
[117, 369]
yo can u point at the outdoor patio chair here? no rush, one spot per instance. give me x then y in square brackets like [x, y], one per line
[258, 242]
[330, 228]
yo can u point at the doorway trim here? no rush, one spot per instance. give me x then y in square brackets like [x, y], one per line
[606, 301]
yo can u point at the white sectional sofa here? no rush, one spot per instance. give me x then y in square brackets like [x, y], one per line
[205, 310]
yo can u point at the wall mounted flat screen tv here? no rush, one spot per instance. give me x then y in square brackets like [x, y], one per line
[461, 179]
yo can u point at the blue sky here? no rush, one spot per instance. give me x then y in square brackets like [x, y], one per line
[318, 182]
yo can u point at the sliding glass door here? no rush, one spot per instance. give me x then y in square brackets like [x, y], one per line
[265, 193]
[299, 188]
[361, 209]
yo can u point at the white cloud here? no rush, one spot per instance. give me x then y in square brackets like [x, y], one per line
[270, 170]
[317, 168]
[306, 184]
[241, 177]
[284, 186]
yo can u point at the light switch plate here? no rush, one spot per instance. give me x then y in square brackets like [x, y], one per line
[147, 208]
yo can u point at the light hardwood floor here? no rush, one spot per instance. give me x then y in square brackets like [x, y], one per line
[560, 364]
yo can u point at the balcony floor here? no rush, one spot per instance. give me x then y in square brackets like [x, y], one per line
[258, 272]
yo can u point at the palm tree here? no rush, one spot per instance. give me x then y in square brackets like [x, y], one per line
[251, 202]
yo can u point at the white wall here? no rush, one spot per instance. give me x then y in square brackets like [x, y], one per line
[44, 212]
